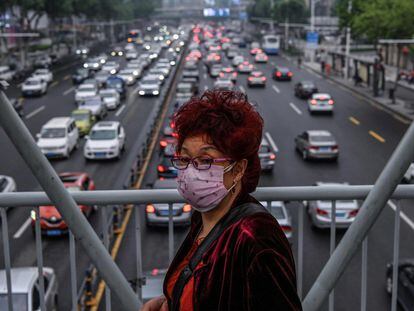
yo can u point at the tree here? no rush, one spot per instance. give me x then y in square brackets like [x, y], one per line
[291, 10]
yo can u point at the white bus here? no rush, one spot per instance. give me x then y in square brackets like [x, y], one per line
[271, 44]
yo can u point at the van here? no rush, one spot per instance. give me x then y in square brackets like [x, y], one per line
[58, 137]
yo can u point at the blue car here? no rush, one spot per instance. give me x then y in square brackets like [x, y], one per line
[117, 83]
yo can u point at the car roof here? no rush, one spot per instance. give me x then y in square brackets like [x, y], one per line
[113, 91]
[86, 85]
[22, 278]
[81, 111]
[318, 95]
[319, 133]
[59, 121]
[322, 183]
[165, 184]
[106, 125]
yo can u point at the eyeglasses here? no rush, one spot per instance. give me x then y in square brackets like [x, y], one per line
[200, 163]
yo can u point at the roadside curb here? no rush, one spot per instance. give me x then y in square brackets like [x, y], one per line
[407, 118]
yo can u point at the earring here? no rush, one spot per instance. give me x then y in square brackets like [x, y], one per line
[233, 190]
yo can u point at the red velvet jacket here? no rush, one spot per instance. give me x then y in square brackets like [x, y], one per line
[250, 267]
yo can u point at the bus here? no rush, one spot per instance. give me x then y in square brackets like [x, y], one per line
[271, 44]
[135, 36]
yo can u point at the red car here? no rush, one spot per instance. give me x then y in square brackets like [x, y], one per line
[229, 73]
[51, 222]
[255, 51]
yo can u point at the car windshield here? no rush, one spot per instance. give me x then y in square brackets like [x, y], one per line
[72, 188]
[272, 40]
[102, 134]
[114, 83]
[92, 102]
[183, 88]
[149, 82]
[80, 116]
[87, 89]
[264, 149]
[19, 301]
[81, 71]
[308, 85]
[321, 138]
[57, 132]
[32, 82]
[107, 95]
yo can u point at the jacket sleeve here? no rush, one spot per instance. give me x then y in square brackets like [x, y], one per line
[271, 282]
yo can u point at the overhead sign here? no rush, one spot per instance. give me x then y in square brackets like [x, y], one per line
[312, 39]
[216, 12]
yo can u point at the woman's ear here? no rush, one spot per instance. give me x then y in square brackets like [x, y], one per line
[239, 169]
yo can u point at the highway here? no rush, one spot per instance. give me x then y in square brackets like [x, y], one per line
[366, 135]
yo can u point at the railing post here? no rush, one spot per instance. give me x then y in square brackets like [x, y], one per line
[396, 256]
[140, 280]
[170, 233]
[73, 278]
[7, 262]
[364, 274]
[39, 257]
[332, 248]
[300, 250]
[368, 214]
[105, 237]
[73, 217]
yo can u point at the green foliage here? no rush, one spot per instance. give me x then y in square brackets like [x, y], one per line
[291, 10]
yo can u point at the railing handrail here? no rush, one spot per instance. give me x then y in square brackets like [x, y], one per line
[142, 196]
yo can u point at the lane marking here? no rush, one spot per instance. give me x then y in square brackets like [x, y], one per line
[376, 136]
[35, 112]
[297, 110]
[66, 77]
[21, 100]
[205, 76]
[242, 89]
[22, 228]
[205, 87]
[271, 142]
[68, 91]
[54, 83]
[403, 216]
[119, 111]
[354, 120]
[275, 88]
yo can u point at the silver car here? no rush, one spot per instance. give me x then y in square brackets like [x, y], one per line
[157, 214]
[266, 156]
[25, 289]
[223, 84]
[409, 174]
[280, 212]
[320, 102]
[149, 86]
[317, 144]
[96, 106]
[320, 212]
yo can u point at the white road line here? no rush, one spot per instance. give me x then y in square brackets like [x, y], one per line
[119, 111]
[273, 63]
[297, 110]
[275, 88]
[68, 91]
[403, 216]
[34, 112]
[22, 229]
[271, 142]
[242, 89]
[205, 76]
[205, 87]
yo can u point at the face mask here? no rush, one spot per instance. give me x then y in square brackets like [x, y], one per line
[203, 189]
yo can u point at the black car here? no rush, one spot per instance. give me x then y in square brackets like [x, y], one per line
[17, 105]
[405, 292]
[117, 83]
[305, 89]
[193, 73]
[166, 169]
[282, 74]
[80, 75]
[194, 82]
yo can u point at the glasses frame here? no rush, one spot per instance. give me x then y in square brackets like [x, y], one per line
[192, 161]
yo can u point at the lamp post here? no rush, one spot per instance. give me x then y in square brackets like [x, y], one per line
[348, 43]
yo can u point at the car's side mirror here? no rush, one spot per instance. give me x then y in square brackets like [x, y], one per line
[38, 135]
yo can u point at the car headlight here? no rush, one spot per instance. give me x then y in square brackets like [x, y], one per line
[135, 73]
[130, 79]
[162, 78]
[84, 51]
[155, 92]
[96, 65]
[33, 214]
[141, 92]
[85, 65]
[172, 63]
[103, 61]
[113, 53]
[113, 71]
[78, 52]
[120, 53]
[114, 147]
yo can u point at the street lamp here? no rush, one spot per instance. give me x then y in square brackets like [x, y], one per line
[312, 29]
[348, 43]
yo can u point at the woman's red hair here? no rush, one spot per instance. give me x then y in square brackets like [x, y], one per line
[231, 123]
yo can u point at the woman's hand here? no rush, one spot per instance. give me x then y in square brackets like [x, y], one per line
[156, 304]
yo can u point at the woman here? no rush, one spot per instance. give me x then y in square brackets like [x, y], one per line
[250, 265]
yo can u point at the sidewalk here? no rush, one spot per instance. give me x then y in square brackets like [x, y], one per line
[404, 106]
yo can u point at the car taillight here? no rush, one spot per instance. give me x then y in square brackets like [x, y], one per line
[330, 102]
[221, 74]
[272, 156]
[150, 209]
[321, 212]
[174, 135]
[161, 168]
[163, 143]
[334, 147]
[353, 213]
[263, 78]
[314, 102]
[290, 74]
[286, 228]
[250, 79]
[278, 74]
[187, 208]
[314, 148]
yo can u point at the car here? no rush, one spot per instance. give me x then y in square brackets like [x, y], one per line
[153, 286]
[58, 137]
[132, 54]
[149, 86]
[256, 78]
[237, 60]
[93, 63]
[101, 77]
[212, 58]
[43, 61]
[409, 174]
[118, 84]
[7, 184]
[102, 58]
[6, 73]
[215, 70]
[51, 222]
[279, 211]
[228, 72]
[321, 102]
[245, 67]
[137, 68]
[96, 105]
[305, 89]
[167, 140]
[405, 292]
[25, 289]
[165, 169]
[169, 130]
[117, 51]
[266, 156]
[232, 52]
[317, 144]
[127, 72]
[84, 120]
[194, 82]
[185, 89]
[85, 91]
[17, 105]
[320, 211]
[111, 98]
[82, 50]
[111, 67]
[193, 73]
[80, 75]
[261, 58]
[106, 140]
[255, 45]
[34, 86]
[156, 214]
[162, 73]
[223, 83]
[282, 74]
[255, 51]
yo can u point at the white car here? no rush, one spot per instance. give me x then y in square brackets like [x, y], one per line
[279, 211]
[44, 74]
[112, 67]
[85, 91]
[223, 84]
[58, 137]
[131, 55]
[237, 60]
[106, 140]
[409, 175]
[150, 86]
[43, 61]
[6, 73]
[320, 102]
[261, 58]
[34, 86]
[96, 106]
[128, 75]
[111, 98]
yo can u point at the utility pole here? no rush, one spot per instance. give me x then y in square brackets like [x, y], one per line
[348, 42]
[312, 29]
[272, 5]
[287, 33]
[75, 41]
